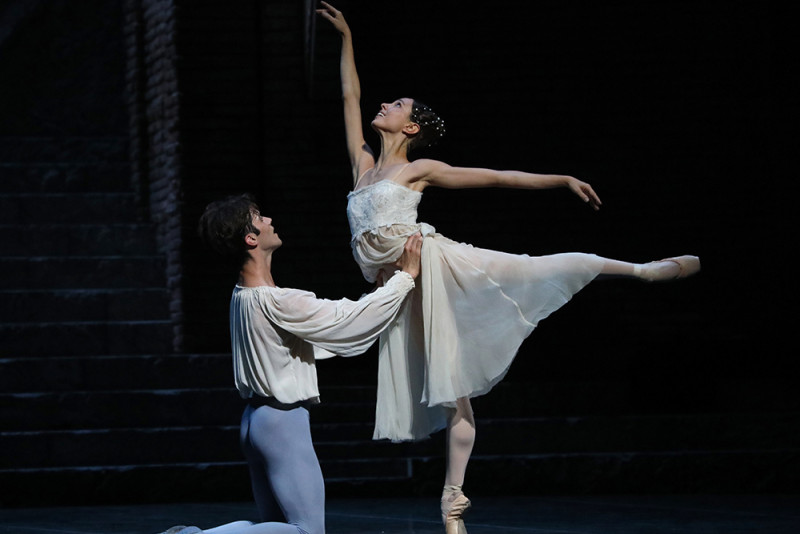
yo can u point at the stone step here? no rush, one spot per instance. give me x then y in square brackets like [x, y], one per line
[663, 472]
[77, 239]
[593, 473]
[115, 447]
[146, 408]
[137, 398]
[135, 372]
[125, 446]
[174, 482]
[587, 434]
[85, 337]
[215, 444]
[83, 272]
[32, 306]
[676, 434]
[63, 149]
[35, 208]
[640, 433]
[353, 381]
[77, 177]
[353, 378]
[63, 373]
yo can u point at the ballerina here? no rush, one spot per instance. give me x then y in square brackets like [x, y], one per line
[460, 329]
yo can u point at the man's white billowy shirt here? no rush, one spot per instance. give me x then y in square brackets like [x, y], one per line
[278, 333]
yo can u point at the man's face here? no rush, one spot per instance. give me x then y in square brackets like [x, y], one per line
[267, 237]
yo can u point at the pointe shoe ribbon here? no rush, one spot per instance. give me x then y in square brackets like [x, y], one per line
[454, 505]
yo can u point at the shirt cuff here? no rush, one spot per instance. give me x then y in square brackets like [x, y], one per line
[401, 282]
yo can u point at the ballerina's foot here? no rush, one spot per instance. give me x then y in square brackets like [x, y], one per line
[454, 505]
[668, 269]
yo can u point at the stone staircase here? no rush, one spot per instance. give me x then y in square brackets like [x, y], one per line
[80, 275]
[179, 444]
[165, 430]
[82, 291]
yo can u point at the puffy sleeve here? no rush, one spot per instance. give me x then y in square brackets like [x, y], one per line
[338, 327]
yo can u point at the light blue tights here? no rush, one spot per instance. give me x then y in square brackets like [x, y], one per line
[284, 472]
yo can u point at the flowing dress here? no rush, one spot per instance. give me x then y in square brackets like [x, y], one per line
[457, 333]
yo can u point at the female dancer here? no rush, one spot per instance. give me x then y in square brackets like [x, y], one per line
[463, 324]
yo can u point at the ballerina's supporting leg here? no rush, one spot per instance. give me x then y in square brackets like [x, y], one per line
[460, 439]
[654, 271]
[461, 425]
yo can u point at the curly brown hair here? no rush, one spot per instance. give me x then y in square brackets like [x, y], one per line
[224, 224]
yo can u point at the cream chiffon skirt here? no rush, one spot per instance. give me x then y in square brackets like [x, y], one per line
[459, 330]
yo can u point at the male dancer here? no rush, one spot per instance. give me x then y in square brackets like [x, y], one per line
[276, 335]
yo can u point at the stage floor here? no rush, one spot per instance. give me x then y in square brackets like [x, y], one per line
[641, 514]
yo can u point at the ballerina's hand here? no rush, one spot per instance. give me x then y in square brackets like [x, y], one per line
[585, 191]
[335, 16]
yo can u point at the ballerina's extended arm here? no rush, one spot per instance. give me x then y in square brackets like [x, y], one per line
[428, 172]
[432, 172]
[361, 156]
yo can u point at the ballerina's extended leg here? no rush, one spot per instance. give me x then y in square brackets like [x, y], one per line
[655, 271]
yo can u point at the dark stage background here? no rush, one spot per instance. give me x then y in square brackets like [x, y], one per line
[667, 108]
[663, 107]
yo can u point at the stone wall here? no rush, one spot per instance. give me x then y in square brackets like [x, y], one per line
[155, 139]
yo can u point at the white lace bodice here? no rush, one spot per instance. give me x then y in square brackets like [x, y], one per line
[381, 204]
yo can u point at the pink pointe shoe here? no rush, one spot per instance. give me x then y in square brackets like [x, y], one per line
[454, 505]
[655, 271]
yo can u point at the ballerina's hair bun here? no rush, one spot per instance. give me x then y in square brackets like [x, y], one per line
[431, 126]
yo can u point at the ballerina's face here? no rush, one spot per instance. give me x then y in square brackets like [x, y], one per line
[393, 116]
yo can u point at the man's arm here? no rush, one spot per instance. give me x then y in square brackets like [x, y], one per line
[346, 327]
